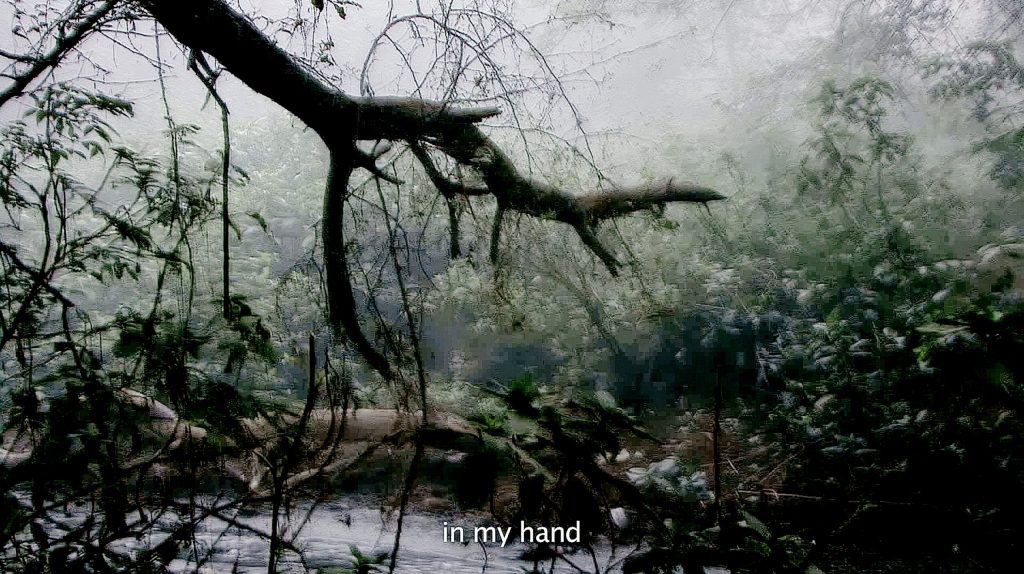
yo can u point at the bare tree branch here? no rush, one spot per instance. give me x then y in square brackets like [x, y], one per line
[445, 186]
[213, 27]
[369, 163]
[468, 145]
[37, 275]
[65, 44]
[341, 300]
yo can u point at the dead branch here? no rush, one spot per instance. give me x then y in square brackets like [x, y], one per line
[340, 119]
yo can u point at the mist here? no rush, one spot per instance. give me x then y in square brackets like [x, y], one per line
[726, 285]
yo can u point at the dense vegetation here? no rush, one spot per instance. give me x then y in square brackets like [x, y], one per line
[820, 374]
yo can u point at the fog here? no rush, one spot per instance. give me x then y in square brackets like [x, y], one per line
[654, 83]
[714, 92]
[733, 283]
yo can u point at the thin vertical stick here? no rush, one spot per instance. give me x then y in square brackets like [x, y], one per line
[718, 442]
[312, 364]
[421, 373]
[291, 450]
[208, 77]
[225, 217]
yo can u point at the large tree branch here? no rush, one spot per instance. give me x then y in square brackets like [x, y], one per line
[468, 145]
[213, 27]
[616, 202]
[340, 298]
[447, 187]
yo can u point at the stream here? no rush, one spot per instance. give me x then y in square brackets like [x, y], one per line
[327, 536]
[329, 533]
[331, 530]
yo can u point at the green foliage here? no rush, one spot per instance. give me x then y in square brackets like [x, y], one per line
[918, 408]
[853, 150]
[253, 337]
[522, 394]
[73, 277]
[491, 421]
[362, 563]
[990, 78]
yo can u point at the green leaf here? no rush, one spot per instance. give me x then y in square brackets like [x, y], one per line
[753, 523]
[757, 547]
[259, 219]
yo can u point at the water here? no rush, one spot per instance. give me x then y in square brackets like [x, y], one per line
[234, 544]
[331, 530]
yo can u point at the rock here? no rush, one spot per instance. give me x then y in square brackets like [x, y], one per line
[698, 444]
[12, 458]
[455, 457]
[996, 261]
[619, 518]
[668, 468]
